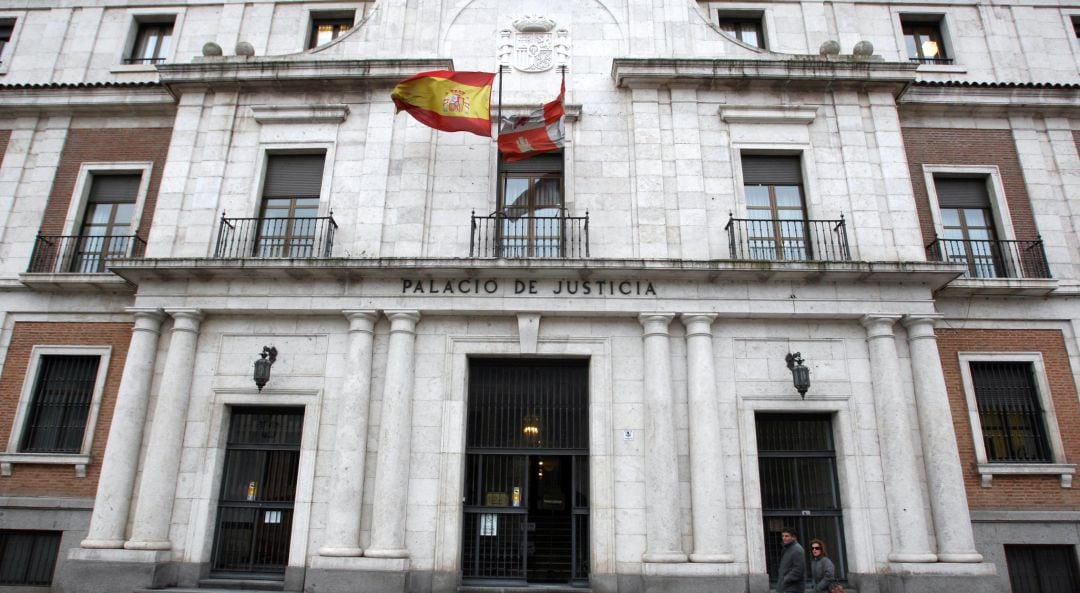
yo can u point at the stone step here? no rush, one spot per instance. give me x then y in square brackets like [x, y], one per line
[224, 586]
[537, 588]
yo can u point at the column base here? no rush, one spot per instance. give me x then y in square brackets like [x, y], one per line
[102, 544]
[148, 545]
[394, 553]
[341, 551]
[915, 557]
[711, 558]
[664, 557]
[966, 557]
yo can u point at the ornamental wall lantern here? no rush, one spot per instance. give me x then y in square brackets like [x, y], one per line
[800, 375]
[262, 366]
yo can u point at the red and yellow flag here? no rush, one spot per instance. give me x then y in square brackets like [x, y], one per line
[448, 101]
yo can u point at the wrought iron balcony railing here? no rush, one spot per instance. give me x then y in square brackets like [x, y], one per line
[81, 254]
[303, 237]
[938, 61]
[992, 259]
[153, 61]
[788, 240]
[504, 235]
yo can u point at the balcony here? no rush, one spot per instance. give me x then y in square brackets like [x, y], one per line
[81, 254]
[992, 259]
[551, 237]
[305, 237]
[787, 239]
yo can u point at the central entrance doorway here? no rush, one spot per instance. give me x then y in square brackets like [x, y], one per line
[527, 472]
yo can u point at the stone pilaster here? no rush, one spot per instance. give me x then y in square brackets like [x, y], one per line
[157, 488]
[708, 499]
[907, 514]
[117, 481]
[395, 440]
[350, 447]
[941, 457]
[661, 462]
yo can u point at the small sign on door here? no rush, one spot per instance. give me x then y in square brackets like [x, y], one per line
[627, 435]
[489, 525]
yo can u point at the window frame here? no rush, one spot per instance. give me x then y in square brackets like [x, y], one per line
[8, 51]
[724, 12]
[80, 196]
[142, 34]
[986, 468]
[137, 18]
[532, 238]
[902, 17]
[359, 11]
[999, 205]
[315, 18]
[80, 460]
[51, 534]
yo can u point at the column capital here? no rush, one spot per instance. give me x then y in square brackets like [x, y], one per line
[361, 320]
[186, 319]
[698, 324]
[402, 320]
[656, 323]
[878, 325]
[147, 318]
[921, 325]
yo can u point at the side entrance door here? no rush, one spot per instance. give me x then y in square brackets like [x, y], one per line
[258, 488]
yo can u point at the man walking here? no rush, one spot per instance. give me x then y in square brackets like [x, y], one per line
[792, 564]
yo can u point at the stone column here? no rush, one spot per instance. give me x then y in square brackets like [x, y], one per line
[395, 440]
[157, 488]
[941, 457]
[907, 515]
[708, 498]
[661, 458]
[350, 447]
[117, 481]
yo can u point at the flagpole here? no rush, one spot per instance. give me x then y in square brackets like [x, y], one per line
[498, 123]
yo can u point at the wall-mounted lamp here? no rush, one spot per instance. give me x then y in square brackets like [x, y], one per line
[262, 366]
[800, 375]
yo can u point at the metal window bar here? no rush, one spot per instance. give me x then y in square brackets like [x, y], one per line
[1012, 418]
[1042, 568]
[56, 421]
[787, 239]
[992, 259]
[301, 237]
[509, 235]
[918, 60]
[81, 254]
[144, 60]
[28, 557]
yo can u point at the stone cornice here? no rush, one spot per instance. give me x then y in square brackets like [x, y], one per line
[85, 98]
[808, 71]
[234, 73]
[976, 97]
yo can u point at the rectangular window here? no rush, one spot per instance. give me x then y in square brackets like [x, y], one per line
[744, 26]
[288, 221]
[328, 27]
[7, 27]
[106, 228]
[1076, 26]
[531, 206]
[923, 39]
[153, 40]
[58, 410]
[967, 223]
[1010, 412]
[1042, 569]
[28, 557]
[777, 226]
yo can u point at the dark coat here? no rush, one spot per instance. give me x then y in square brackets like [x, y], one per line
[824, 573]
[792, 569]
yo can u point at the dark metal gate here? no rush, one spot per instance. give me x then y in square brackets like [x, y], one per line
[799, 486]
[527, 472]
[255, 510]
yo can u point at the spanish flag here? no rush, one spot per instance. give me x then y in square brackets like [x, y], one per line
[448, 101]
[539, 132]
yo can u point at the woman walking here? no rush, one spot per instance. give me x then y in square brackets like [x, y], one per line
[821, 568]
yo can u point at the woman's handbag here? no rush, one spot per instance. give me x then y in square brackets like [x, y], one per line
[836, 588]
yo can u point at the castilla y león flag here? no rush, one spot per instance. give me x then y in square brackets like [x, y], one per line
[448, 101]
[539, 132]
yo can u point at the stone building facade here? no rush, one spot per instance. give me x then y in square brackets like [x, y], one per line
[573, 370]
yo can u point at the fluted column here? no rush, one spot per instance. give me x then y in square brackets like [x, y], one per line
[708, 499]
[350, 446]
[117, 481]
[941, 457]
[661, 459]
[157, 487]
[907, 515]
[395, 440]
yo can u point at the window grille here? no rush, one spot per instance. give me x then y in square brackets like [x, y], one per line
[57, 416]
[1010, 412]
[1042, 569]
[28, 557]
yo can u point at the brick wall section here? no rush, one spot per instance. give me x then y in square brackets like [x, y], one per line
[1014, 492]
[962, 147]
[104, 146]
[5, 135]
[59, 480]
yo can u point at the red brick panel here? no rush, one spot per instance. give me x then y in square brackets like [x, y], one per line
[103, 146]
[59, 480]
[1014, 492]
[5, 136]
[964, 147]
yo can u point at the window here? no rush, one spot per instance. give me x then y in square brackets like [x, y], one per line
[63, 391]
[288, 223]
[106, 228]
[923, 39]
[1076, 26]
[967, 224]
[776, 228]
[744, 26]
[153, 40]
[531, 207]
[327, 27]
[28, 557]
[7, 27]
[1042, 569]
